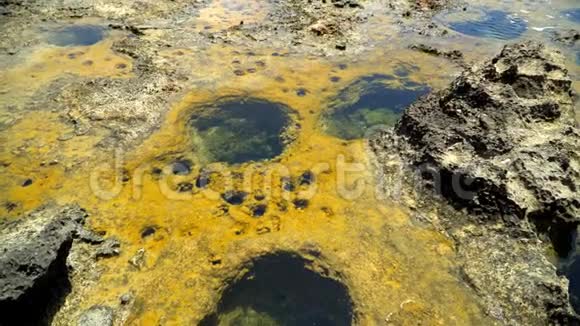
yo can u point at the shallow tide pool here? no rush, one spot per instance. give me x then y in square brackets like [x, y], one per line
[251, 152]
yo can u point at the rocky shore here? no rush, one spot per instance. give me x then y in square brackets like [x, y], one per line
[497, 154]
[42, 255]
[491, 162]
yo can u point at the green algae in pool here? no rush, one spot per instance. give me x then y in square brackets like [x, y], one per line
[486, 23]
[77, 35]
[280, 290]
[238, 130]
[370, 101]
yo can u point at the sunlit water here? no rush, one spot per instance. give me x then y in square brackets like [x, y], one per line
[198, 205]
[76, 35]
[376, 100]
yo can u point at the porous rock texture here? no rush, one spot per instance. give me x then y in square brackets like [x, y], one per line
[507, 131]
[33, 272]
[500, 145]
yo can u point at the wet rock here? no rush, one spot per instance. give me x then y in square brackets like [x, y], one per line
[33, 272]
[97, 316]
[501, 144]
[454, 55]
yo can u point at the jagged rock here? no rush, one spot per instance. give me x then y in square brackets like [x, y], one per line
[138, 260]
[97, 316]
[33, 272]
[454, 55]
[502, 147]
[89, 236]
[508, 129]
[111, 247]
[567, 37]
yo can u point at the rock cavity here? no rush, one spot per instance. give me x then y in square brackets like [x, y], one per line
[238, 130]
[280, 289]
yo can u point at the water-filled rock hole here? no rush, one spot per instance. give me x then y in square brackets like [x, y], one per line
[238, 130]
[370, 101]
[280, 289]
[77, 35]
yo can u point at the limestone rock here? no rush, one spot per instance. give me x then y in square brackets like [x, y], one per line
[502, 139]
[501, 146]
[33, 272]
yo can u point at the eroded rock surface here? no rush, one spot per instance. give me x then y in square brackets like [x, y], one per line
[500, 145]
[506, 128]
[33, 273]
[41, 254]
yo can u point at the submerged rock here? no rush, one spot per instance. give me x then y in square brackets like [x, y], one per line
[566, 37]
[501, 146]
[453, 55]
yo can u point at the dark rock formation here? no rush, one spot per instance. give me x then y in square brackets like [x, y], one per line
[453, 55]
[500, 145]
[33, 271]
[566, 37]
[503, 139]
